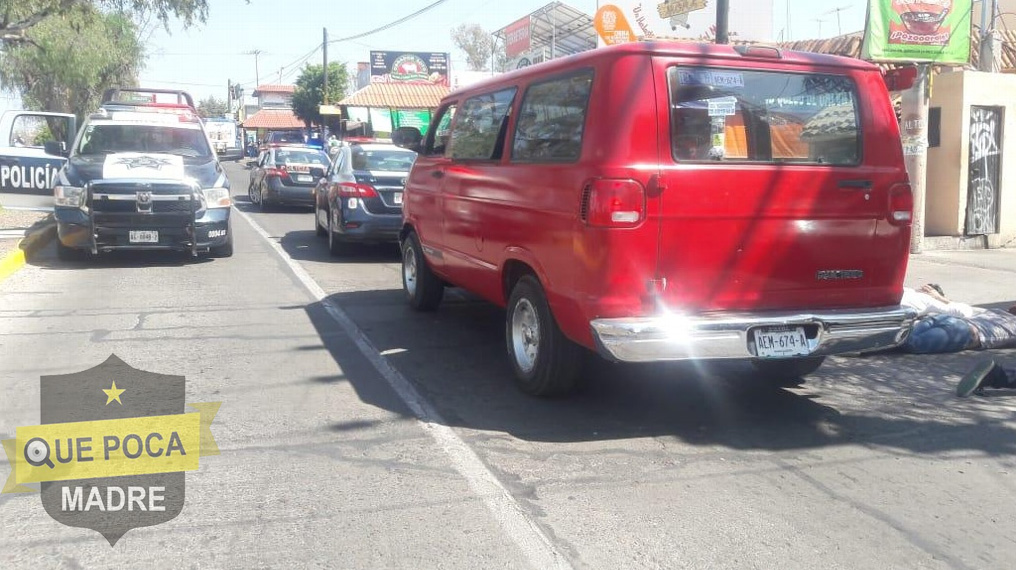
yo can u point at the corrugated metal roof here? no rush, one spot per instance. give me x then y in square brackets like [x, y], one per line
[273, 119]
[397, 96]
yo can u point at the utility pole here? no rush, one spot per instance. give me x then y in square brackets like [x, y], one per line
[229, 96]
[915, 149]
[324, 70]
[986, 54]
[257, 72]
[722, 21]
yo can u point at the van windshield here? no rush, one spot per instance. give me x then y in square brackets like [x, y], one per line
[763, 116]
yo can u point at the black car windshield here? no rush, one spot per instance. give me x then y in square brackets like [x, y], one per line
[301, 157]
[107, 139]
[387, 160]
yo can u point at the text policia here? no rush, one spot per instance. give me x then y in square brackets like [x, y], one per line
[28, 177]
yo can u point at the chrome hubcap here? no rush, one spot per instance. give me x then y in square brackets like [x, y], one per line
[409, 270]
[525, 335]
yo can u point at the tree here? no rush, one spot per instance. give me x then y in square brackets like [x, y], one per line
[212, 107]
[18, 16]
[72, 60]
[310, 88]
[476, 43]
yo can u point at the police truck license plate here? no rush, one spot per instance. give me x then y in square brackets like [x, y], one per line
[397, 197]
[777, 342]
[143, 236]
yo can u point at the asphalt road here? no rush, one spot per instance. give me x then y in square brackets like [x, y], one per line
[356, 433]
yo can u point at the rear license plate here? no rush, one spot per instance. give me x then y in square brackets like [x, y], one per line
[143, 236]
[397, 197]
[303, 178]
[780, 342]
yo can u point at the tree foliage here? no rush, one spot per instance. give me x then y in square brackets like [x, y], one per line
[71, 60]
[476, 43]
[310, 89]
[18, 16]
[212, 107]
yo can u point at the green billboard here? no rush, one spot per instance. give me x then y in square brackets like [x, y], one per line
[931, 31]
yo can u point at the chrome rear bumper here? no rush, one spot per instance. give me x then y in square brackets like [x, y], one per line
[729, 335]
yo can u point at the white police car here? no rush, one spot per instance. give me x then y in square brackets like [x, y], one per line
[142, 175]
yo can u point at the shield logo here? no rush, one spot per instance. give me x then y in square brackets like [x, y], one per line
[144, 200]
[112, 448]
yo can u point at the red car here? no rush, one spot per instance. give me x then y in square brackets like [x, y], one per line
[668, 201]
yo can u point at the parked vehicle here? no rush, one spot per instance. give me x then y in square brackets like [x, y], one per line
[294, 137]
[141, 175]
[668, 201]
[359, 199]
[224, 136]
[282, 176]
[33, 147]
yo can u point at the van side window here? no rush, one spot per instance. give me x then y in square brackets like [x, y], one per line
[763, 116]
[552, 120]
[437, 140]
[479, 130]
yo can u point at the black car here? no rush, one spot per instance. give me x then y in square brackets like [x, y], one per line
[282, 176]
[143, 176]
[359, 199]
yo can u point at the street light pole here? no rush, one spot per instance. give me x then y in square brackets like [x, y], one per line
[324, 70]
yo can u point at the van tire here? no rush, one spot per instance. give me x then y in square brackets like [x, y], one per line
[552, 363]
[424, 290]
[787, 372]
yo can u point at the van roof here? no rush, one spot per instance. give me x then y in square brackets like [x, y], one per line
[672, 49]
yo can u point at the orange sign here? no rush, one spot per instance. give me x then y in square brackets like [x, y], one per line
[612, 26]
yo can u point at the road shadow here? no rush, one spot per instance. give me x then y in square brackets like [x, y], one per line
[455, 358]
[48, 260]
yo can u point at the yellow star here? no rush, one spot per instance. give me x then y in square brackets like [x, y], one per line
[113, 394]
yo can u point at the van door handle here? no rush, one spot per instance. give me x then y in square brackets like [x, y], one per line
[437, 173]
[852, 184]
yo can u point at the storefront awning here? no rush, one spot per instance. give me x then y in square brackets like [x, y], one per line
[273, 120]
[397, 96]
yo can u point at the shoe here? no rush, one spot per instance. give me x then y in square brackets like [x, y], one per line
[974, 380]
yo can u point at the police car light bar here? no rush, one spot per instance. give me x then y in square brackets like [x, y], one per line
[143, 97]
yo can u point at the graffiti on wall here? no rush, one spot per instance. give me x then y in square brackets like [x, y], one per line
[985, 169]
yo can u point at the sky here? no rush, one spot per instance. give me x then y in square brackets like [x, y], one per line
[204, 58]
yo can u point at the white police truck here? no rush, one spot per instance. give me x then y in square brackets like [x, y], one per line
[33, 148]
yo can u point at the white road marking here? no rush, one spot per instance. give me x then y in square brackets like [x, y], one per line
[526, 534]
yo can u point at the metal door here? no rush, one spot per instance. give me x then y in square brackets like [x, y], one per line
[983, 189]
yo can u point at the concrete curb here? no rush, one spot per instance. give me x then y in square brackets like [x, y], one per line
[37, 238]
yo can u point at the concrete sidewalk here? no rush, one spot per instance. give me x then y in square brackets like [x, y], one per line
[977, 277]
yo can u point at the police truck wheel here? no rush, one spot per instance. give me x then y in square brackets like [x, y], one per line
[69, 253]
[546, 362]
[424, 290]
[224, 250]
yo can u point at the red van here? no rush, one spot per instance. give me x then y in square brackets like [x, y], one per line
[668, 201]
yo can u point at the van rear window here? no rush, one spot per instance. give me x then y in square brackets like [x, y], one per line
[763, 116]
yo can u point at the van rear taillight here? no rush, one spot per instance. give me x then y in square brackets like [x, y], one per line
[901, 205]
[614, 203]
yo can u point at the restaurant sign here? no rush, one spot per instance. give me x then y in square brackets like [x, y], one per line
[935, 31]
[409, 67]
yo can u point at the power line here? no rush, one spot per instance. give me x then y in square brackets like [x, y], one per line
[392, 24]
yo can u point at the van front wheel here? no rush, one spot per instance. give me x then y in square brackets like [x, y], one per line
[546, 363]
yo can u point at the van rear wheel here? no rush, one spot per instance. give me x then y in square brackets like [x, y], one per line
[424, 290]
[787, 372]
[546, 362]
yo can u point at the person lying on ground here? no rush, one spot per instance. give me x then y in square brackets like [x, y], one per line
[948, 326]
[986, 374]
